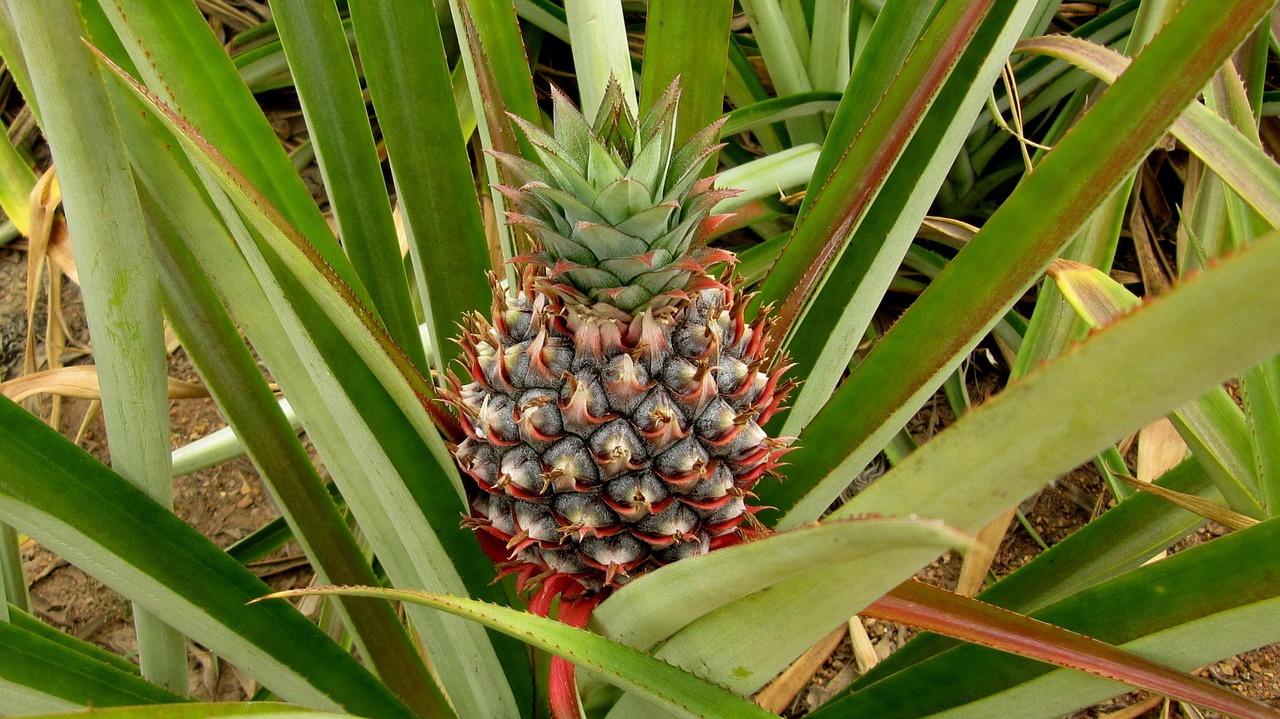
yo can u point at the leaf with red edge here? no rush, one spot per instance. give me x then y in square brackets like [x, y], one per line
[275, 226]
[501, 137]
[940, 611]
[1198, 606]
[842, 201]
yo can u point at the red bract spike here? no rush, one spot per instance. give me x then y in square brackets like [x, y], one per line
[749, 479]
[702, 282]
[653, 540]
[689, 264]
[684, 481]
[490, 530]
[540, 603]
[533, 258]
[495, 439]
[775, 400]
[649, 336]
[494, 548]
[759, 334]
[704, 185]
[728, 540]
[708, 226]
[703, 391]
[738, 318]
[472, 361]
[560, 684]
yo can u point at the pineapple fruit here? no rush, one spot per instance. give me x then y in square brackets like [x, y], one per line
[613, 408]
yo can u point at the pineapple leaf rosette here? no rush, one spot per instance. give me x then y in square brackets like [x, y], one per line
[613, 407]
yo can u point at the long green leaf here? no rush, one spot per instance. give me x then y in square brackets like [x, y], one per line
[1054, 325]
[785, 54]
[920, 605]
[828, 60]
[43, 674]
[742, 88]
[1119, 541]
[13, 581]
[202, 83]
[479, 74]
[14, 60]
[25, 621]
[1043, 83]
[497, 74]
[689, 41]
[779, 108]
[220, 446]
[822, 344]
[1213, 426]
[765, 176]
[719, 643]
[258, 710]
[598, 36]
[993, 270]
[498, 28]
[407, 507]
[1196, 607]
[897, 26]
[367, 337]
[647, 611]
[17, 179]
[324, 72]
[232, 376]
[95, 519]
[825, 230]
[402, 53]
[675, 689]
[546, 15]
[120, 290]
[1239, 162]
[1261, 390]
[1055, 401]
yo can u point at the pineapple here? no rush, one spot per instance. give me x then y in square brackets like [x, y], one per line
[613, 407]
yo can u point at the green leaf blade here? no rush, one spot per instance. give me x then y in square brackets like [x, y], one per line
[689, 41]
[1008, 254]
[1185, 611]
[236, 384]
[840, 312]
[41, 665]
[933, 609]
[315, 43]
[403, 57]
[1130, 534]
[95, 519]
[683, 693]
[203, 84]
[105, 222]
[648, 611]
[342, 386]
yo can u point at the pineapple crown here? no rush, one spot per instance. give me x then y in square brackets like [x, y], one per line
[618, 208]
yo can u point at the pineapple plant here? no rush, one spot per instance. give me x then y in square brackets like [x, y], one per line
[614, 405]
[574, 482]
